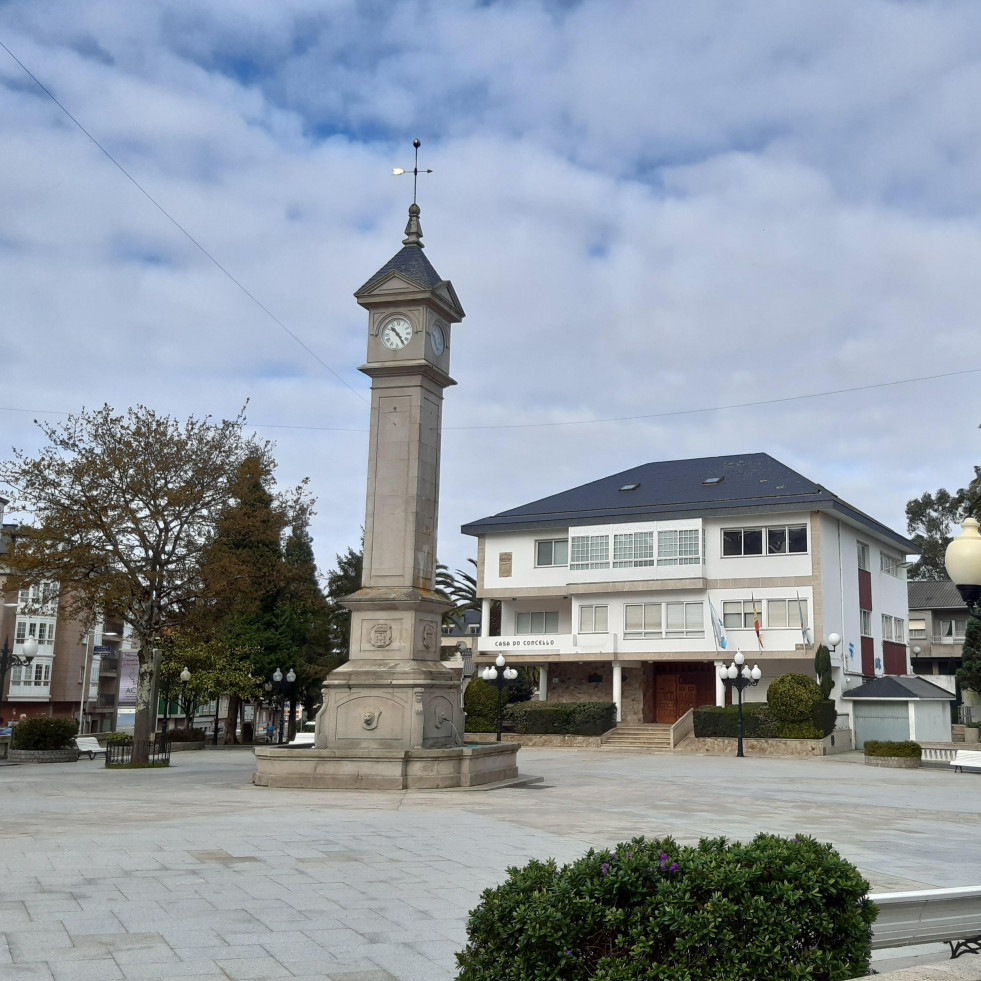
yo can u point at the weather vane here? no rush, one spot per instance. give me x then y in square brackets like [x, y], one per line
[399, 171]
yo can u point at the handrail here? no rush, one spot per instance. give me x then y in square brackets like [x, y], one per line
[683, 728]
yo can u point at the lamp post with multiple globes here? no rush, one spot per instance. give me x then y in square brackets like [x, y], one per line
[740, 676]
[963, 562]
[8, 660]
[500, 676]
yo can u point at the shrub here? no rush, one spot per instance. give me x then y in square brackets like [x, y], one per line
[480, 704]
[792, 697]
[883, 747]
[118, 737]
[712, 720]
[563, 718]
[822, 668]
[653, 909]
[825, 716]
[185, 735]
[44, 734]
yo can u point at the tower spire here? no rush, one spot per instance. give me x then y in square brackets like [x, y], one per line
[413, 229]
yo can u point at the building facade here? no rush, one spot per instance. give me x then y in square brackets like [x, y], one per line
[75, 673]
[627, 588]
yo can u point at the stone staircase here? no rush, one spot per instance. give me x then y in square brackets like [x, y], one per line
[652, 738]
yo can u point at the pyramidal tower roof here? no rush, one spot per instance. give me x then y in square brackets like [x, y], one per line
[411, 262]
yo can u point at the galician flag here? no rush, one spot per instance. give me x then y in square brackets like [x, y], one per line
[718, 626]
[804, 630]
[756, 622]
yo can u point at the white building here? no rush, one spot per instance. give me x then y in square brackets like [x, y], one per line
[609, 588]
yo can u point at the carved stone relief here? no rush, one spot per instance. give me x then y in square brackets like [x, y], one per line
[504, 564]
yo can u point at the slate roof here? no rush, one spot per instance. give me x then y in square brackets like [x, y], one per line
[893, 687]
[934, 595]
[752, 483]
[412, 263]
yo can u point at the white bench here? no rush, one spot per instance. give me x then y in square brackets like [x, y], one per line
[90, 745]
[970, 758]
[951, 916]
[303, 739]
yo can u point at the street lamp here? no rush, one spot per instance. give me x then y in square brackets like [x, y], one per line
[185, 677]
[283, 687]
[739, 676]
[499, 676]
[833, 641]
[8, 660]
[963, 561]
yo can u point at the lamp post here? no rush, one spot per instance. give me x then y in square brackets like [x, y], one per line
[185, 677]
[499, 675]
[963, 562]
[739, 676]
[283, 687]
[8, 660]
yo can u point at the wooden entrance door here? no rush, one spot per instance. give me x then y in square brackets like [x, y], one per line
[678, 687]
[666, 699]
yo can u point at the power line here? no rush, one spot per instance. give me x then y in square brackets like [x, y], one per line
[178, 225]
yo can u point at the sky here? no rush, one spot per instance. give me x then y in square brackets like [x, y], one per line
[654, 214]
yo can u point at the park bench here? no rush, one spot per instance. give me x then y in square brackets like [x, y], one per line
[303, 739]
[90, 745]
[950, 916]
[970, 758]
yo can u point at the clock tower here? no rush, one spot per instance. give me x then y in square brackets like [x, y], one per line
[394, 693]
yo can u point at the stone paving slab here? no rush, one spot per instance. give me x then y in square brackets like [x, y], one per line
[192, 872]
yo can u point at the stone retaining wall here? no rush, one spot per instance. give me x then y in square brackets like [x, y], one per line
[894, 762]
[533, 739]
[43, 755]
[839, 741]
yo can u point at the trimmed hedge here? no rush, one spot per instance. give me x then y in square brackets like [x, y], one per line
[35, 734]
[792, 697]
[777, 908]
[883, 747]
[563, 718]
[713, 720]
[480, 704]
[185, 735]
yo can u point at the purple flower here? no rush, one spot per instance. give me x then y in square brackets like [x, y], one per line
[605, 869]
[674, 867]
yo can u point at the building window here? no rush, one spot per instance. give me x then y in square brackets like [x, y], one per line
[590, 552]
[917, 630]
[863, 558]
[552, 551]
[20, 634]
[633, 549]
[866, 622]
[893, 629]
[737, 613]
[890, 565]
[683, 620]
[680, 547]
[593, 619]
[953, 629]
[642, 620]
[536, 623]
[473, 628]
[780, 540]
[786, 613]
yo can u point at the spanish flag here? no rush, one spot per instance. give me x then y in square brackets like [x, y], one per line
[756, 622]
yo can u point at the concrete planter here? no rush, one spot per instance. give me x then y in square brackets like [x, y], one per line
[185, 747]
[970, 734]
[894, 762]
[839, 741]
[43, 755]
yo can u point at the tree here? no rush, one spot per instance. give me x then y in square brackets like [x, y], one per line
[932, 519]
[969, 673]
[341, 582]
[822, 668]
[124, 509]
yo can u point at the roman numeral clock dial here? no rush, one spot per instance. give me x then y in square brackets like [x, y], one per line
[396, 333]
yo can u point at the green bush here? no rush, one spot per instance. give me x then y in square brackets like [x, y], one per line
[118, 737]
[824, 716]
[883, 747]
[185, 735]
[44, 734]
[563, 718]
[480, 704]
[713, 720]
[792, 698]
[776, 908]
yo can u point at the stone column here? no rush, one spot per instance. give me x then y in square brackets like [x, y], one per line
[542, 681]
[720, 689]
[618, 689]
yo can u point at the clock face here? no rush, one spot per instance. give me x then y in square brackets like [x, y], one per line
[437, 339]
[396, 333]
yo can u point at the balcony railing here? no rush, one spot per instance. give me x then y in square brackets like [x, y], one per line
[941, 639]
[106, 701]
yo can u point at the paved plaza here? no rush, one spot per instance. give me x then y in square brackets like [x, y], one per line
[194, 873]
